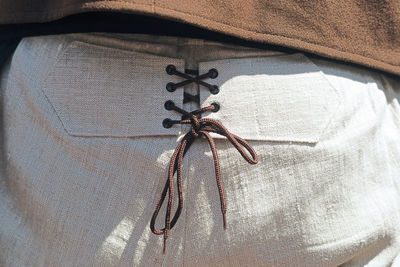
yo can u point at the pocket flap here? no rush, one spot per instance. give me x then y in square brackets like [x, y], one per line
[275, 98]
[101, 91]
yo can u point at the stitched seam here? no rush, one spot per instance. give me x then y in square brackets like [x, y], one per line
[255, 105]
[340, 100]
[13, 76]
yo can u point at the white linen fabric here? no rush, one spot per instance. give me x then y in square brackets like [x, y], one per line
[85, 156]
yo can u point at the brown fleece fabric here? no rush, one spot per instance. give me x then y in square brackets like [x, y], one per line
[365, 32]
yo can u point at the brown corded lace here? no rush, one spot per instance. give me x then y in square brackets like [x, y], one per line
[199, 127]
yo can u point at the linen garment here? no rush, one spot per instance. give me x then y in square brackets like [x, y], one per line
[85, 156]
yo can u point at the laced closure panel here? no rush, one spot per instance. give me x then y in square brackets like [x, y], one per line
[199, 127]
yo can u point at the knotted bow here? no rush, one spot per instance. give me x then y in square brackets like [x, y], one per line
[199, 127]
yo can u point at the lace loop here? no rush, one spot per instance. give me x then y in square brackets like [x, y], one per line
[212, 73]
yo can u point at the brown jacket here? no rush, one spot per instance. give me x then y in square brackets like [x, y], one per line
[365, 32]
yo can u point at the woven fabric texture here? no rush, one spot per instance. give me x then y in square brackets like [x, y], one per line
[85, 156]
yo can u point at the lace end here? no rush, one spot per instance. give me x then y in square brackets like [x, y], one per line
[224, 220]
[165, 244]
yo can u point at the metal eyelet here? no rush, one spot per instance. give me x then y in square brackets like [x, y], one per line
[170, 69]
[166, 123]
[213, 73]
[216, 105]
[214, 90]
[168, 105]
[170, 87]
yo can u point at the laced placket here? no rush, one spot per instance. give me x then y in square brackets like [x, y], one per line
[199, 127]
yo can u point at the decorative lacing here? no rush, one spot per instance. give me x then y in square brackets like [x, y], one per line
[199, 127]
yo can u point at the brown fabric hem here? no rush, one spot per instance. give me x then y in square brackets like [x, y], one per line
[205, 23]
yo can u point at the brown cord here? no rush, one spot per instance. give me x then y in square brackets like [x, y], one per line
[199, 127]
